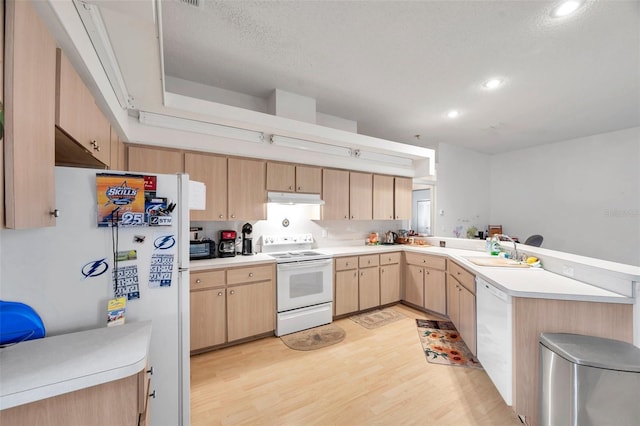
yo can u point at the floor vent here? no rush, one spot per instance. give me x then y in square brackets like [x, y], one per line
[194, 3]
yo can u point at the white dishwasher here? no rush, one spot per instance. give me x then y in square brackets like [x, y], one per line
[494, 328]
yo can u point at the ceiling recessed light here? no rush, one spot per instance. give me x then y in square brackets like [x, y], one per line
[492, 84]
[453, 113]
[566, 8]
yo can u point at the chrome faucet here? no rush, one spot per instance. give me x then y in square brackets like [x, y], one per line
[515, 249]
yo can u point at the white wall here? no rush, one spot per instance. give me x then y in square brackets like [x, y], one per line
[462, 190]
[582, 195]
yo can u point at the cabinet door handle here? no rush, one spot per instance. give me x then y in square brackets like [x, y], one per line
[153, 394]
[362, 274]
[427, 272]
[233, 216]
[220, 217]
[232, 292]
[198, 281]
[55, 213]
[219, 293]
[352, 216]
[382, 271]
[290, 187]
[355, 274]
[299, 188]
[150, 371]
[250, 274]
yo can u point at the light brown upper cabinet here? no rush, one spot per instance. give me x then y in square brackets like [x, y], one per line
[361, 196]
[383, 200]
[402, 195]
[78, 117]
[29, 103]
[154, 160]
[212, 171]
[117, 152]
[335, 193]
[247, 196]
[293, 178]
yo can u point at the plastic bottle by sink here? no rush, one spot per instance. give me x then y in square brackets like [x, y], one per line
[495, 246]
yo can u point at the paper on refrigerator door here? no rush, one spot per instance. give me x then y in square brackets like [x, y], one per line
[197, 195]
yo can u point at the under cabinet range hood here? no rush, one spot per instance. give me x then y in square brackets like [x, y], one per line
[294, 198]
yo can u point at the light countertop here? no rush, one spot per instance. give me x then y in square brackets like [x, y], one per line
[43, 368]
[517, 282]
[228, 262]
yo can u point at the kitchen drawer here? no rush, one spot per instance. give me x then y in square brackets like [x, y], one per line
[367, 261]
[249, 274]
[345, 263]
[206, 279]
[465, 277]
[390, 258]
[433, 262]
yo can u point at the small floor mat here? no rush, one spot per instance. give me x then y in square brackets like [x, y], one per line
[314, 338]
[377, 318]
[442, 344]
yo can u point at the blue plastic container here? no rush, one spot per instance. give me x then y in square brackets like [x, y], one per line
[19, 322]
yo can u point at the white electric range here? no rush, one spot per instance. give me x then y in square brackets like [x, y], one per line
[304, 282]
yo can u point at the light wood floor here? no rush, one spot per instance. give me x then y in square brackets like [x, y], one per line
[373, 377]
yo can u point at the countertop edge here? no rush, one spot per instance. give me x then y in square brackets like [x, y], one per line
[136, 363]
[450, 253]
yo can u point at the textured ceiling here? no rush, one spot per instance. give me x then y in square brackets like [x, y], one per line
[397, 67]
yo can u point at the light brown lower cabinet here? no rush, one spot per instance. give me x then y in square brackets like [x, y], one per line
[425, 282]
[366, 282]
[119, 402]
[231, 304]
[389, 278]
[461, 303]
[345, 294]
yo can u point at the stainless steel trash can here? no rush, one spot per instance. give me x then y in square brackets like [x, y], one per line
[586, 380]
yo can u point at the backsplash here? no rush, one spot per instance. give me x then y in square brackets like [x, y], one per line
[302, 219]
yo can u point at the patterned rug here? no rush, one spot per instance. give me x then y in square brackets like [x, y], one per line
[314, 338]
[377, 318]
[442, 344]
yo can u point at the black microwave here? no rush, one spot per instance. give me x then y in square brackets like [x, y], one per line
[204, 249]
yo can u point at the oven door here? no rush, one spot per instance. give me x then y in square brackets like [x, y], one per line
[304, 283]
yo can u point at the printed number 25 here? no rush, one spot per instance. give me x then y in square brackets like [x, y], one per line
[132, 219]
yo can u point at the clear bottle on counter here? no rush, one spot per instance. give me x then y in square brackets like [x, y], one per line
[495, 246]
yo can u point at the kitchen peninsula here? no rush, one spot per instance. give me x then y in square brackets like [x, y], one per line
[543, 301]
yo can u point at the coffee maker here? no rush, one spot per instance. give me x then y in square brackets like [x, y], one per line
[247, 229]
[227, 245]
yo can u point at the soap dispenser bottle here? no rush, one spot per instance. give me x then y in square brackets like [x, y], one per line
[495, 246]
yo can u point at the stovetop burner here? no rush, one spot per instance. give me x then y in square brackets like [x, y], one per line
[291, 248]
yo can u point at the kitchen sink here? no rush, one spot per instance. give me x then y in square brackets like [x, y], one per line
[497, 262]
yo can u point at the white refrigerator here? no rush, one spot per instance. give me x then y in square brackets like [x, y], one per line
[65, 273]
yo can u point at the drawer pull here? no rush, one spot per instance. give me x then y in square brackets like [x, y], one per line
[198, 281]
[232, 292]
[250, 274]
[368, 262]
[219, 293]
